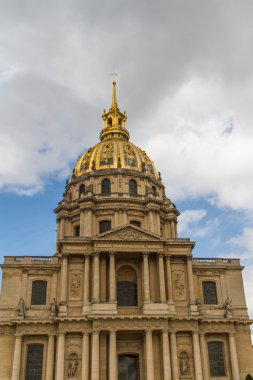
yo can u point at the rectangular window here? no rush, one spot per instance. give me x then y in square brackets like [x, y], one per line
[209, 293]
[39, 293]
[216, 359]
[34, 362]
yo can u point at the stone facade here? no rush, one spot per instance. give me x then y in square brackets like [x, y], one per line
[132, 293]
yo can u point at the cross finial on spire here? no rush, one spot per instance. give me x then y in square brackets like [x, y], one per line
[114, 96]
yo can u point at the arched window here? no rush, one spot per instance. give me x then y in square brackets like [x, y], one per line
[81, 189]
[110, 121]
[153, 190]
[126, 287]
[77, 231]
[132, 187]
[104, 225]
[34, 361]
[106, 186]
[216, 359]
[209, 293]
[135, 223]
[39, 293]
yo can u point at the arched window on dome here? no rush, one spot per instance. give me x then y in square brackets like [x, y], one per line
[104, 225]
[132, 187]
[127, 287]
[153, 190]
[76, 231]
[81, 190]
[110, 121]
[106, 186]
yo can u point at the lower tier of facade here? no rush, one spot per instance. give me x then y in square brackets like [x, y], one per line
[125, 349]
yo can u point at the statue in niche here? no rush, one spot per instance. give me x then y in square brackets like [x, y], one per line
[54, 308]
[75, 284]
[73, 365]
[21, 308]
[184, 364]
[227, 307]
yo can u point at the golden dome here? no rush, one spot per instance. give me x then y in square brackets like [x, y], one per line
[114, 151]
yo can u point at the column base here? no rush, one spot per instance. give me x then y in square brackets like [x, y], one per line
[63, 309]
[107, 308]
[86, 308]
[155, 308]
[194, 310]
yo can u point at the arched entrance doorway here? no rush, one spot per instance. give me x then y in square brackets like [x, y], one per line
[128, 367]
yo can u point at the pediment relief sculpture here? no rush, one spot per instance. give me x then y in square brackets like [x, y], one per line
[128, 233]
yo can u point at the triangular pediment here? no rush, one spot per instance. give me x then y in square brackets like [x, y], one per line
[129, 232]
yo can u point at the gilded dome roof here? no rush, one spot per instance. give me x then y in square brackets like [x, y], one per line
[115, 153]
[115, 150]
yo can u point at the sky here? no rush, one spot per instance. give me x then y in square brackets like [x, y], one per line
[185, 78]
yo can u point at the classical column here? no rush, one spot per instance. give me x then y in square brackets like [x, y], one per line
[62, 228]
[85, 357]
[190, 280]
[166, 356]
[151, 221]
[149, 356]
[96, 277]
[161, 277]
[112, 357]
[64, 278]
[146, 278]
[233, 357]
[60, 357]
[116, 218]
[82, 221]
[204, 358]
[197, 356]
[50, 358]
[172, 229]
[89, 222]
[112, 296]
[17, 358]
[174, 358]
[95, 356]
[86, 282]
[169, 279]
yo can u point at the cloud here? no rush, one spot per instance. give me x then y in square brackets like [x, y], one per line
[185, 74]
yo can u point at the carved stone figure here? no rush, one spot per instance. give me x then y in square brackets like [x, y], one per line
[227, 307]
[184, 365]
[21, 308]
[179, 285]
[72, 367]
[54, 307]
[75, 284]
[197, 303]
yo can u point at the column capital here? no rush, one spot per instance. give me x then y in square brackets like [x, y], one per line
[96, 254]
[86, 333]
[18, 336]
[145, 254]
[167, 256]
[149, 331]
[160, 254]
[65, 255]
[111, 254]
[95, 332]
[87, 256]
[165, 331]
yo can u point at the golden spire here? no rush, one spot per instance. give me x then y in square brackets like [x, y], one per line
[114, 120]
[114, 96]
